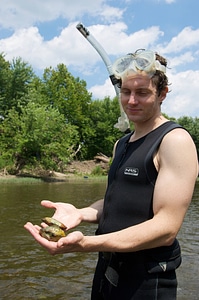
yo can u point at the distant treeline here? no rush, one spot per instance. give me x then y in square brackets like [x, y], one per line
[49, 121]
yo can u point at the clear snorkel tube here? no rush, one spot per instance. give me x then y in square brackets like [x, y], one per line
[123, 122]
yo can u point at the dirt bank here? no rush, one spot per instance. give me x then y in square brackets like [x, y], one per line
[83, 168]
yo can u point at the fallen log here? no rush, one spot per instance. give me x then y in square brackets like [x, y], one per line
[101, 157]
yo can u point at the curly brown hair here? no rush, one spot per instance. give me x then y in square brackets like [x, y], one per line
[159, 79]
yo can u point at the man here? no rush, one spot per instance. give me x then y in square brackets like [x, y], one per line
[150, 186]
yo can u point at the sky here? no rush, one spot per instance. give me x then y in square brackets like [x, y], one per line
[44, 34]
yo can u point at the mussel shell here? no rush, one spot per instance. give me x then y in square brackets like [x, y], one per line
[51, 221]
[52, 233]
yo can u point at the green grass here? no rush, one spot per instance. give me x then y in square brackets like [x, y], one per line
[30, 180]
[19, 180]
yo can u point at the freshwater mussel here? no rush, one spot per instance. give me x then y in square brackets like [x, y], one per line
[54, 231]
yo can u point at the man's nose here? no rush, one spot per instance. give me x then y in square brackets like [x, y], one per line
[132, 98]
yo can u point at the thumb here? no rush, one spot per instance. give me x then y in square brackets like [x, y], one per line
[48, 204]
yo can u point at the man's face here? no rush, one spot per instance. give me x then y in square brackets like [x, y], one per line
[139, 98]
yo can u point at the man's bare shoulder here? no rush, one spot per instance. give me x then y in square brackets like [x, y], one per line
[177, 136]
[178, 150]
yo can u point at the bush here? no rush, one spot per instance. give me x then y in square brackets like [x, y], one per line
[98, 171]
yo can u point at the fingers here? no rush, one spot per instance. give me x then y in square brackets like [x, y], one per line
[71, 243]
[33, 230]
[51, 247]
[48, 204]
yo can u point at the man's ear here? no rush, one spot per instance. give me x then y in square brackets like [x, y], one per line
[163, 94]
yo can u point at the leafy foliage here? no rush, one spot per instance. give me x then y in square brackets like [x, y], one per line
[52, 120]
[15, 79]
[38, 135]
[104, 115]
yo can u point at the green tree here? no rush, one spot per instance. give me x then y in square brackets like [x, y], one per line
[104, 114]
[70, 96]
[38, 135]
[15, 78]
[5, 79]
[22, 75]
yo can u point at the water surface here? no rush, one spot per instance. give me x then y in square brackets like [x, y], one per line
[27, 271]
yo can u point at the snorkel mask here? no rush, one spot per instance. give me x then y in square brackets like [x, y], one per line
[141, 60]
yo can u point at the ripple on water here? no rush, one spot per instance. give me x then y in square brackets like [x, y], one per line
[28, 272]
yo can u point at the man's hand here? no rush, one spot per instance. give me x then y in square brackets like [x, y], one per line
[66, 213]
[71, 243]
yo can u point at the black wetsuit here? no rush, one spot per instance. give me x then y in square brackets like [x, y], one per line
[142, 275]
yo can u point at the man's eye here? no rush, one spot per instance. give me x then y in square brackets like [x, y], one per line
[125, 92]
[142, 92]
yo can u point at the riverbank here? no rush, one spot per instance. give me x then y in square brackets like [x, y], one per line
[74, 171]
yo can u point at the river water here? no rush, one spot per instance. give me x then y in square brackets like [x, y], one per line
[27, 271]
